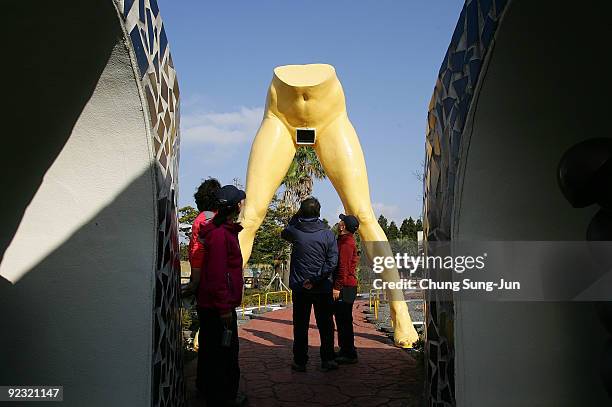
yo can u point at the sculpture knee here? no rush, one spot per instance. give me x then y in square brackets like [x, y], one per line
[369, 228]
[366, 217]
[251, 218]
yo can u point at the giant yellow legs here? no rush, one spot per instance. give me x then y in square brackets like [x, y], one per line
[311, 97]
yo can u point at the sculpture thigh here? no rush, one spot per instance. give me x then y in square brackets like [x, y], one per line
[271, 155]
[340, 153]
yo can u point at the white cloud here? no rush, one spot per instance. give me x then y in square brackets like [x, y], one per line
[221, 128]
[390, 212]
[189, 101]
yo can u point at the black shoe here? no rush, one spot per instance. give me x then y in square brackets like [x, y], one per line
[329, 365]
[297, 367]
[346, 360]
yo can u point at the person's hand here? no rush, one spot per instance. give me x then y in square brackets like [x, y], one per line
[336, 294]
[227, 319]
[307, 284]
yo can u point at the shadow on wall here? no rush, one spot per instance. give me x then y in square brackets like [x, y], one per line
[60, 52]
[541, 93]
[81, 318]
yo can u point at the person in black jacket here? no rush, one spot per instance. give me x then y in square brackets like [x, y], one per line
[314, 257]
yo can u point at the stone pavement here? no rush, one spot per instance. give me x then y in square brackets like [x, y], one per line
[384, 376]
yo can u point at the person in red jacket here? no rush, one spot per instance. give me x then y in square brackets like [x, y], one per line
[219, 293]
[345, 288]
[206, 201]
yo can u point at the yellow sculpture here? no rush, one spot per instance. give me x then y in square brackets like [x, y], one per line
[306, 106]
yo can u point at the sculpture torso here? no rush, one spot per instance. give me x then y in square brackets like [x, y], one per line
[305, 96]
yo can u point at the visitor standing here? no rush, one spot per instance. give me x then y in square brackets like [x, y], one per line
[219, 293]
[314, 256]
[345, 288]
[206, 202]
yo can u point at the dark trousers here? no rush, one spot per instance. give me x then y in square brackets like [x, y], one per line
[343, 311]
[323, 309]
[218, 371]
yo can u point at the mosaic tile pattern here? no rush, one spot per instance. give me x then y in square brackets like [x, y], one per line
[158, 76]
[448, 111]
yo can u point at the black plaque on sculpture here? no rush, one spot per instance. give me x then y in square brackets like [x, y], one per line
[305, 136]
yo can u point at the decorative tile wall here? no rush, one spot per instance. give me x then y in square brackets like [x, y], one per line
[158, 76]
[448, 111]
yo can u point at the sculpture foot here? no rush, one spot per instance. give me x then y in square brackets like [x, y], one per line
[404, 335]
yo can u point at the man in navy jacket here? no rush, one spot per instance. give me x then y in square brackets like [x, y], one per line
[314, 257]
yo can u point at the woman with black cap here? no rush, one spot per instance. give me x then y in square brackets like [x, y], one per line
[219, 293]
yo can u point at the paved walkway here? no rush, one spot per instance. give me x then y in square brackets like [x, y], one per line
[384, 376]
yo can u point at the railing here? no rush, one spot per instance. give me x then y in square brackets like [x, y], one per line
[258, 303]
[376, 302]
[288, 299]
[287, 294]
[371, 295]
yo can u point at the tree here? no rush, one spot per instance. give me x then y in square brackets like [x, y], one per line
[299, 180]
[187, 214]
[384, 223]
[408, 229]
[420, 176]
[393, 231]
[268, 246]
[237, 183]
[334, 228]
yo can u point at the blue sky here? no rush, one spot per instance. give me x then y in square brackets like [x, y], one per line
[386, 54]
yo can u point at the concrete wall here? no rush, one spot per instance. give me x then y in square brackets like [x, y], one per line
[539, 95]
[78, 275]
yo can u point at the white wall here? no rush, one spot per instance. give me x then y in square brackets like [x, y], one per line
[539, 96]
[76, 310]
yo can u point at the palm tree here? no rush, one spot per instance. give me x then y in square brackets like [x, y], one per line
[300, 177]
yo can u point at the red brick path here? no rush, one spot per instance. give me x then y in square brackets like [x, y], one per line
[384, 376]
